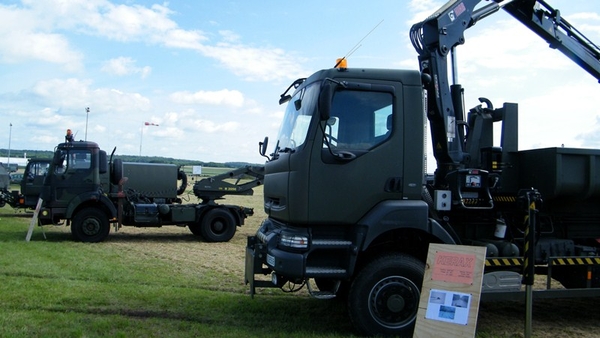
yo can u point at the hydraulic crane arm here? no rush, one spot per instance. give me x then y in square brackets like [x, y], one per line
[244, 179]
[547, 22]
[438, 35]
[433, 39]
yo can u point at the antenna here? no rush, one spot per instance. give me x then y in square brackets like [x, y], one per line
[357, 46]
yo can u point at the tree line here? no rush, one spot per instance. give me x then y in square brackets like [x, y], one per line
[42, 154]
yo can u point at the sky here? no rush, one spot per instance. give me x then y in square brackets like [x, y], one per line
[207, 75]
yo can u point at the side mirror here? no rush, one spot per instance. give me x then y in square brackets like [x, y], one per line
[103, 162]
[325, 97]
[284, 98]
[262, 147]
[58, 159]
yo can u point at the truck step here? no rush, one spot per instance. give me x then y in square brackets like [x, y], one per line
[322, 294]
[324, 271]
[331, 243]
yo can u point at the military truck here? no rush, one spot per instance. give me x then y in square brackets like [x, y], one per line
[351, 211]
[30, 186]
[88, 191]
[4, 182]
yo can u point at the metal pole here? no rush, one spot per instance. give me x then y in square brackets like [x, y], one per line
[9, 137]
[532, 196]
[87, 113]
[141, 135]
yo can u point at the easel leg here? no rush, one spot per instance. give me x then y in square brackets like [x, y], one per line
[34, 220]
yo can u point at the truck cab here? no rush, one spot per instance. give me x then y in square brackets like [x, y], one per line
[75, 171]
[342, 191]
[338, 125]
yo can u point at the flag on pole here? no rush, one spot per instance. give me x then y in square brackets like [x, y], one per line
[150, 124]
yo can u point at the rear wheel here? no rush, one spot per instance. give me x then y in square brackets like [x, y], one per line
[90, 225]
[195, 229]
[218, 225]
[384, 297]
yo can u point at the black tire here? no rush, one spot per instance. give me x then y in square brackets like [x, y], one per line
[181, 176]
[90, 225]
[218, 225]
[195, 229]
[384, 296]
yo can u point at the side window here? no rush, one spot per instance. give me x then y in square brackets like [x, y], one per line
[360, 120]
[74, 160]
[80, 159]
[37, 169]
[383, 121]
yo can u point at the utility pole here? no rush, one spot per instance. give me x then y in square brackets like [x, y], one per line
[87, 113]
[9, 137]
[142, 133]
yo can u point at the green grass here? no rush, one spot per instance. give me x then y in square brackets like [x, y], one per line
[166, 283]
[58, 288]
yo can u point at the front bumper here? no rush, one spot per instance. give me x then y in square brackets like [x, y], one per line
[263, 257]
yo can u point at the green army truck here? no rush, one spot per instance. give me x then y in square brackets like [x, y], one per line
[88, 191]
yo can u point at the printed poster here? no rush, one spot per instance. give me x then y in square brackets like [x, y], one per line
[448, 306]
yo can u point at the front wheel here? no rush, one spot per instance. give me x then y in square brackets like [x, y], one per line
[384, 297]
[90, 225]
[218, 225]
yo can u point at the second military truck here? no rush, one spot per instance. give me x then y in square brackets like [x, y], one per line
[90, 191]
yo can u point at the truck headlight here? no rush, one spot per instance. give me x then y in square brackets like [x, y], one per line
[294, 241]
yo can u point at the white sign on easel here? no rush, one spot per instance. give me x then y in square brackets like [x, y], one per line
[451, 291]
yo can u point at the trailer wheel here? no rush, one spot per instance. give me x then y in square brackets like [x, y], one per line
[384, 296]
[181, 176]
[90, 225]
[195, 228]
[218, 225]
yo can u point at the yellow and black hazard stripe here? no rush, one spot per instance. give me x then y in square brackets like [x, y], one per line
[504, 198]
[575, 260]
[497, 262]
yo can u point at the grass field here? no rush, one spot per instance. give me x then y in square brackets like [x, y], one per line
[166, 283]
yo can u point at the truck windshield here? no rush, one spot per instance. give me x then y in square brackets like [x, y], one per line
[296, 120]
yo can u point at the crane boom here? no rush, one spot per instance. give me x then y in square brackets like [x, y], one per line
[547, 22]
[438, 35]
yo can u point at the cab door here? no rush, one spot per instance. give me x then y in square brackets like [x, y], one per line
[359, 161]
[73, 173]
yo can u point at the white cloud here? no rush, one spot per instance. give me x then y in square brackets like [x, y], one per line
[75, 94]
[21, 41]
[229, 36]
[40, 24]
[221, 97]
[255, 64]
[212, 127]
[122, 66]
